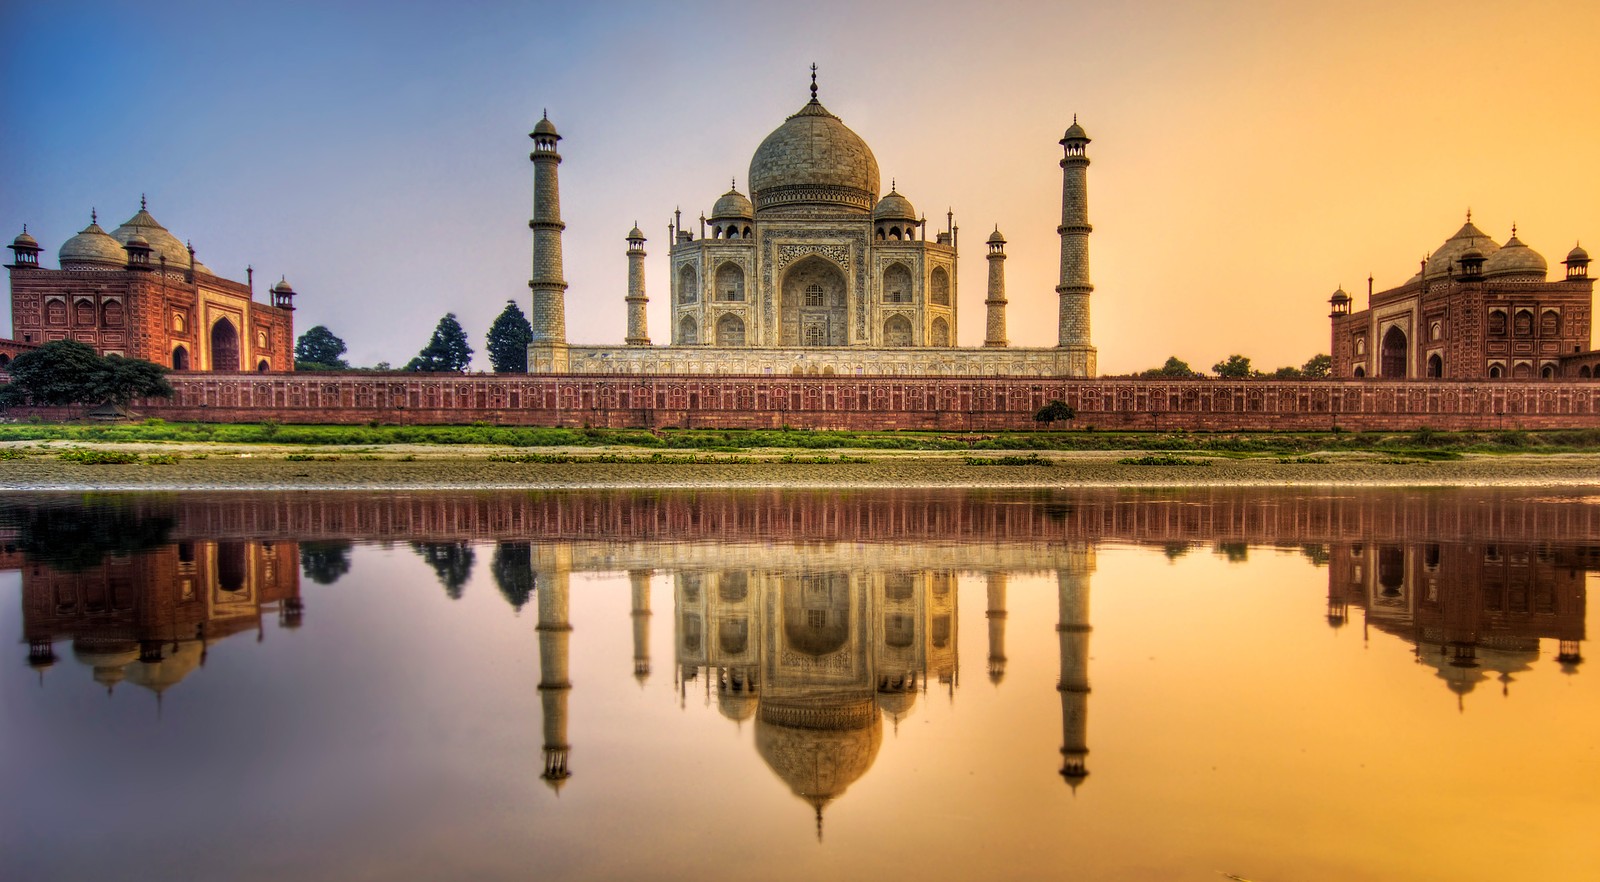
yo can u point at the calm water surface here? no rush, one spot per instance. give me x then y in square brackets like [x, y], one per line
[797, 685]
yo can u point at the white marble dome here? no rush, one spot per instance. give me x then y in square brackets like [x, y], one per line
[1515, 260]
[813, 159]
[162, 242]
[92, 248]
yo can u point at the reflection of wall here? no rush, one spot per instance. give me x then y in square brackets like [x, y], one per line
[1472, 609]
[150, 617]
[893, 518]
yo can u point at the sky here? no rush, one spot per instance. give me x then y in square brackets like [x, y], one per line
[1247, 157]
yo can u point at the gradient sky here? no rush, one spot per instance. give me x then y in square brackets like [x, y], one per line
[1247, 157]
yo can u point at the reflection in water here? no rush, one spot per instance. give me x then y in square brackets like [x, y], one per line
[150, 617]
[1473, 610]
[815, 622]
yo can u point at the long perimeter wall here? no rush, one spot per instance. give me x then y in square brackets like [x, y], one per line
[864, 403]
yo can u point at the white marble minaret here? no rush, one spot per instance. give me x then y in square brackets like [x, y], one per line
[639, 586]
[1075, 287]
[548, 349]
[995, 326]
[997, 627]
[554, 686]
[638, 333]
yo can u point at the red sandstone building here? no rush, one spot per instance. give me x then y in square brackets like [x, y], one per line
[1475, 310]
[139, 292]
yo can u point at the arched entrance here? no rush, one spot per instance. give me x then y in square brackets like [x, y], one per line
[180, 358]
[812, 304]
[224, 346]
[730, 330]
[897, 331]
[1435, 365]
[263, 366]
[688, 331]
[939, 333]
[1392, 357]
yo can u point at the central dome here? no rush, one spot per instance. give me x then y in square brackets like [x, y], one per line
[814, 160]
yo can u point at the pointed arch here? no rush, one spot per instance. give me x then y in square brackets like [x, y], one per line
[939, 287]
[730, 330]
[897, 331]
[939, 333]
[1392, 356]
[180, 358]
[224, 346]
[688, 331]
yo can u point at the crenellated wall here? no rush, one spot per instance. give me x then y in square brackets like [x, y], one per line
[865, 403]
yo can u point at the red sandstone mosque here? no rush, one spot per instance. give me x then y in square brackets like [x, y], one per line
[139, 292]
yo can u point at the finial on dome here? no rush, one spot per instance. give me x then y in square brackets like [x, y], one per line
[1513, 229]
[733, 183]
[892, 187]
[546, 112]
[1469, 215]
[94, 217]
[141, 202]
[813, 81]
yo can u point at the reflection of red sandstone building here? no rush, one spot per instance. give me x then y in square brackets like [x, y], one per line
[149, 618]
[139, 292]
[1475, 310]
[1474, 610]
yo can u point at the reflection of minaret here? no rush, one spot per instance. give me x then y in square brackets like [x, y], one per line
[553, 684]
[1073, 629]
[997, 627]
[640, 581]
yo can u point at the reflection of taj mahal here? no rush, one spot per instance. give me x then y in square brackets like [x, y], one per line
[815, 272]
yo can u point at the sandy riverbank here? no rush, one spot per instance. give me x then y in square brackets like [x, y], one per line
[265, 467]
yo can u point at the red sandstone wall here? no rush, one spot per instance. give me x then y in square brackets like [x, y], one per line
[946, 403]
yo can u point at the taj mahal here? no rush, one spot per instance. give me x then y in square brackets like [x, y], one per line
[815, 272]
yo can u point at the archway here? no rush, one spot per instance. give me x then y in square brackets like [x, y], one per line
[897, 331]
[1522, 371]
[897, 284]
[816, 613]
[688, 331]
[939, 287]
[730, 330]
[224, 346]
[1392, 357]
[1583, 372]
[1496, 372]
[180, 358]
[1360, 372]
[263, 366]
[1548, 372]
[730, 282]
[812, 304]
[688, 285]
[5, 361]
[939, 333]
[1435, 365]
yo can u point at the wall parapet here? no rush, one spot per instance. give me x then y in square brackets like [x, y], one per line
[868, 403]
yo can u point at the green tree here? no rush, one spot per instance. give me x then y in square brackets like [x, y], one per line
[66, 372]
[1055, 410]
[1175, 369]
[1234, 367]
[508, 341]
[1319, 367]
[319, 349]
[452, 561]
[447, 351]
[325, 561]
[1287, 373]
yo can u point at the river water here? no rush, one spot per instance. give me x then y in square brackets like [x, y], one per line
[1274, 685]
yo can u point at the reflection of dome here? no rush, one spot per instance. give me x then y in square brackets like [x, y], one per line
[162, 242]
[1447, 259]
[732, 204]
[159, 676]
[94, 247]
[736, 706]
[1516, 259]
[819, 751]
[106, 657]
[813, 158]
[898, 705]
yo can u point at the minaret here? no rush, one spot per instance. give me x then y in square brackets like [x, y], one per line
[638, 335]
[1073, 317]
[554, 686]
[640, 582]
[995, 335]
[1073, 629]
[547, 352]
[997, 627]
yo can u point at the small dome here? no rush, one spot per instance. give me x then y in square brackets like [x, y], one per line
[136, 242]
[1339, 295]
[1576, 254]
[282, 287]
[1516, 259]
[733, 204]
[813, 159]
[894, 207]
[544, 127]
[995, 238]
[1075, 132]
[635, 233]
[161, 242]
[92, 247]
[24, 240]
[1447, 259]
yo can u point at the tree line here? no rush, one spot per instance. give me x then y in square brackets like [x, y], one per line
[1237, 367]
[447, 351]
